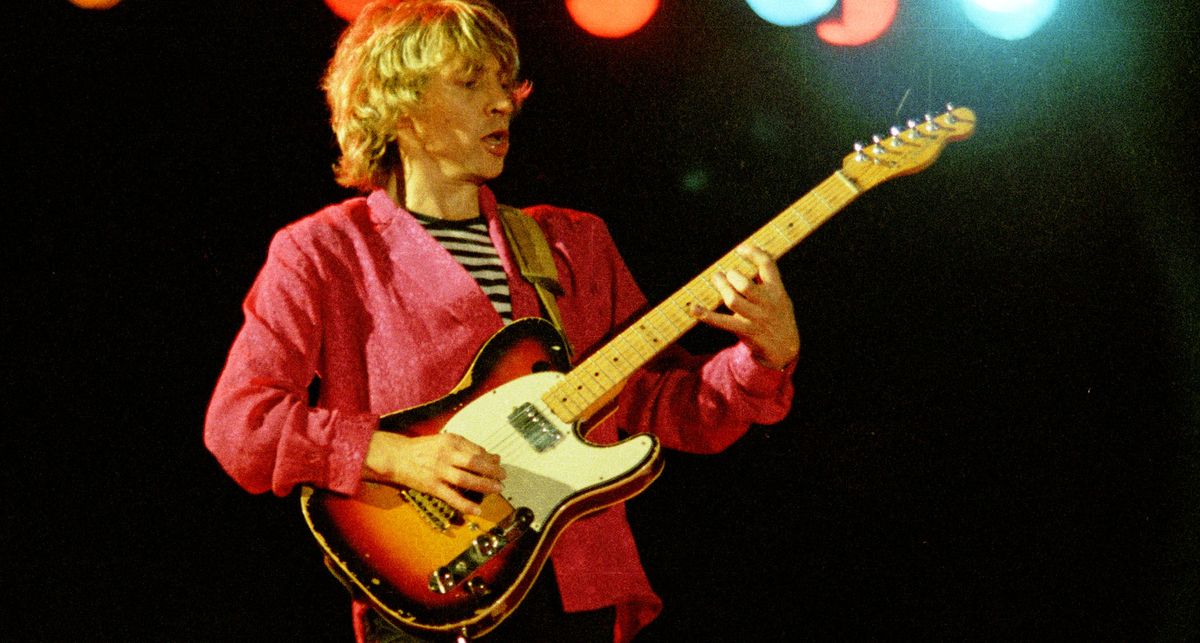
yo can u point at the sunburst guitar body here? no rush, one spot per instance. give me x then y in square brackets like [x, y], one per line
[429, 568]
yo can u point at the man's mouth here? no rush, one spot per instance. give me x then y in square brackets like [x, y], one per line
[497, 142]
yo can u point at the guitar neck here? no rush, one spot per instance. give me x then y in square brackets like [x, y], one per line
[591, 384]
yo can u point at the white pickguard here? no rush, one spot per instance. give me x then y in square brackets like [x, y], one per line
[542, 480]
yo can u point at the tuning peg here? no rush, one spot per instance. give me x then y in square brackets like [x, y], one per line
[858, 152]
[950, 118]
[912, 129]
[930, 125]
[895, 132]
[877, 148]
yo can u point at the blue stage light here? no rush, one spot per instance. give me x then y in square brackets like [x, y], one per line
[789, 13]
[1009, 19]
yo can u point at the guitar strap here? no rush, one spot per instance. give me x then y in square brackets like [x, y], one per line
[535, 261]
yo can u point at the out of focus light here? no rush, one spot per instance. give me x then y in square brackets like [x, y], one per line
[95, 4]
[790, 13]
[347, 9]
[611, 18]
[862, 21]
[1009, 19]
[694, 180]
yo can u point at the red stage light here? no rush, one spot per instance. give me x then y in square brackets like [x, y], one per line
[347, 9]
[862, 21]
[611, 18]
[95, 4]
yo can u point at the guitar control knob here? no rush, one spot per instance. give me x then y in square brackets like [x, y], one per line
[477, 587]
[441, 580]
[524, 516]
[486, 545]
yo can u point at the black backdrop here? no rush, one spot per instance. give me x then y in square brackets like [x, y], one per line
[995, 427]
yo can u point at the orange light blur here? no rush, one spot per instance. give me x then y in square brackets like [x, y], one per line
[95, 4]
[611, 18]
[347, 9]
[862, 21]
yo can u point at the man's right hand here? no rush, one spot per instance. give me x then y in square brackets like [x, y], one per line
[442, 465]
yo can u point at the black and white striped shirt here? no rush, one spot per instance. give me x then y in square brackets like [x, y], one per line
[468, 242]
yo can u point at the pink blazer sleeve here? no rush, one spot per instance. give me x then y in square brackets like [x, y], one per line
[259, 424]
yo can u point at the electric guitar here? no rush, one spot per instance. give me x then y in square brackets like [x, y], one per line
[432, 570]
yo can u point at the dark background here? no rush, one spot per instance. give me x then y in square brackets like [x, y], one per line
[995, 429]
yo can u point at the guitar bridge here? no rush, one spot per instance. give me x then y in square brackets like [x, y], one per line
[484, 548]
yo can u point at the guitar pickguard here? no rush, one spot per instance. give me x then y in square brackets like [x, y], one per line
[541, 479]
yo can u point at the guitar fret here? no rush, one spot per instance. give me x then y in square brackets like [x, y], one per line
[850, 184]
[626, 340]
[618, 366]
[657, 340]
[824, 201]
[568, 405]
[598, 370]
[634, 357]
[640, 331]
[774, 225]
[693, 300]
[589, 378]
[797, 215]
[665, 313]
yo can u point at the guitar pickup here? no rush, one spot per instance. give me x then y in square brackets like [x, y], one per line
[482, 549]
[539, 431]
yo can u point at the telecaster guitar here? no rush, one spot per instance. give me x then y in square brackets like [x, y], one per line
[431, 570]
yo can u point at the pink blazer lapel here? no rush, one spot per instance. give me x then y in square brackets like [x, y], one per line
[427, 279]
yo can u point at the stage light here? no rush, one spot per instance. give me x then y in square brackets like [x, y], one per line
[1009, 19]
[862, 21]
[790, 13]
[95, 4]
[611, 18]
[347, 9]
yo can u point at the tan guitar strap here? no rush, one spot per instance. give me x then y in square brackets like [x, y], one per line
[533, 257]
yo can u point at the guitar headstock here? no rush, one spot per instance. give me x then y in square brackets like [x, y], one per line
[908, 151]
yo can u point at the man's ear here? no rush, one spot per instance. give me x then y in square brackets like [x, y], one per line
[406, 132]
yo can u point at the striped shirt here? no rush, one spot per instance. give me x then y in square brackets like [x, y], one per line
[468, 242]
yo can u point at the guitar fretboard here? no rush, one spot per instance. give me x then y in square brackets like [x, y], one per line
[591, 384]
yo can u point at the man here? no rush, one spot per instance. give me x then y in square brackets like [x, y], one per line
[386, 298]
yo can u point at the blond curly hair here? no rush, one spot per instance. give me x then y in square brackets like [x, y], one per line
[382, 63]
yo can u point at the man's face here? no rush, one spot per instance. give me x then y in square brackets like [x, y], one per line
[459, 130]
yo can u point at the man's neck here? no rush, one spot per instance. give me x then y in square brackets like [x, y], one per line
[446, 201]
